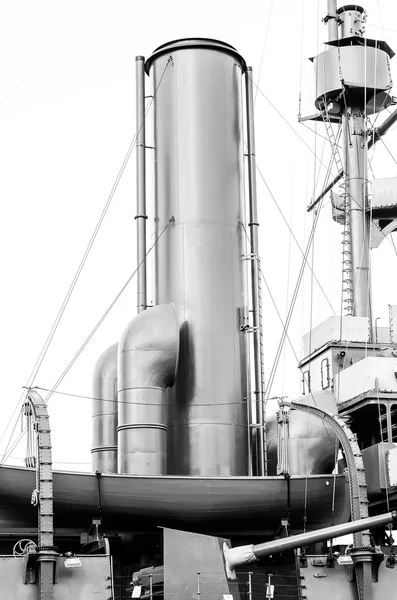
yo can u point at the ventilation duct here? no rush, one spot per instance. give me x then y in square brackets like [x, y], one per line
[104, 413]
[148, 357]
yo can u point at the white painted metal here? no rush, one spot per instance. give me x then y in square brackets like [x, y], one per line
[393, 323]
[384, 192]
[356, 66]
[199, 180]
[348, 329]
[371, 373]
[391, 462]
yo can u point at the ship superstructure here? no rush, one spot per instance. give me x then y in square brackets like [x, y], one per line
[196, 490]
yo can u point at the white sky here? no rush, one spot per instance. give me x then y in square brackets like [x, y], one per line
[67, 117]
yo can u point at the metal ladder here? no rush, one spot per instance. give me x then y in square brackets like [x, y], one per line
[347, 290]
[332, 139]
[262, 355]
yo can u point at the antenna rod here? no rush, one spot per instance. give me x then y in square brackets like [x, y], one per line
[255, 274]
[141, 184]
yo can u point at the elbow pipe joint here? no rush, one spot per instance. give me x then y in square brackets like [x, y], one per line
[235, 557]
[148, 360]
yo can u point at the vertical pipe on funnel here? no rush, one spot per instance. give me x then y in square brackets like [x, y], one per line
[141, 183]
[331, 20]
[255, 274]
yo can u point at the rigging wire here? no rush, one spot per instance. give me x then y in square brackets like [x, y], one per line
[264, 47]
[317, 133]
[80, 350]
[55, 462]
[293, 236]
[287, 292]
[75, 279]
[133, 402]
[390, 153]
[294, 298]
[286, 121]
[311, 299]
[392, 241]
[272, 298]
[301, 56]
[58, 43]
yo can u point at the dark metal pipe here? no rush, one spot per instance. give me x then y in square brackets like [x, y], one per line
[382, 129]
[325, 191]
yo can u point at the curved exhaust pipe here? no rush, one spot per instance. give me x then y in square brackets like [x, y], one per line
[148, 359]
[104, 413]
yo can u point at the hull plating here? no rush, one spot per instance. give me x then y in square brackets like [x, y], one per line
[220, 506]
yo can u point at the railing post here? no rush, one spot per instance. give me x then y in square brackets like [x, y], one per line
[250, 585]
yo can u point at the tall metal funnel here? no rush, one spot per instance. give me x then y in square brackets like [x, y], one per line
[198, 126]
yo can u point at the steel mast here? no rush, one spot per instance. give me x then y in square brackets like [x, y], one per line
[356, 276]
[353, 80]
[356, 268]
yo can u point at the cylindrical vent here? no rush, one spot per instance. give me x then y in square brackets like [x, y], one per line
[143, 440]
[148, 354]
[351, 19]
[104, 413]
[199, 181]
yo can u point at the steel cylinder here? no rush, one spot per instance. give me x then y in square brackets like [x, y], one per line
[104, 413]
[199, 262]
[359, 221]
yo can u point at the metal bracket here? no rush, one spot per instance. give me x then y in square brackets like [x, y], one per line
[391, 561]
[34, 558]
[303, 558]
[378, 558]
[29, 567]
[330, 560]
[252, 256]
[248, 329]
